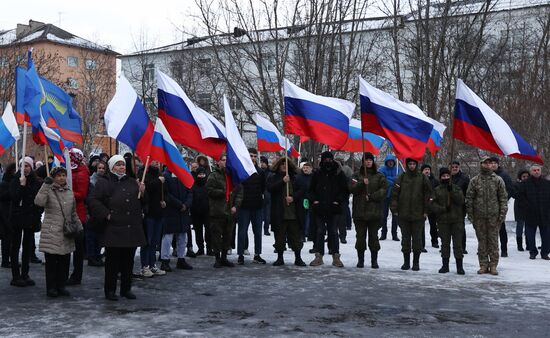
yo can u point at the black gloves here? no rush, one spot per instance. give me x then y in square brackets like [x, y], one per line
[48, 180]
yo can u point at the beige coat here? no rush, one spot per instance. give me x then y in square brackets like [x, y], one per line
[52, 240]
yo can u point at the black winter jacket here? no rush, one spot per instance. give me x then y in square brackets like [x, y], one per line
[327, 187]
[23, 212]
[177, 195]
[252, 191]
[535, 193]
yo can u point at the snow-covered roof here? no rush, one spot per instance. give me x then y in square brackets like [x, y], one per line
[460, 7]
[37, 31]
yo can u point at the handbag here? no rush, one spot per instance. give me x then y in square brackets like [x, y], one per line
[71, 228]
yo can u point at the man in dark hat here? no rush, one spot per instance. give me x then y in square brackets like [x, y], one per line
[426, 170]
[462, 180]
[410, 196]
[448, 206]
[327, 193]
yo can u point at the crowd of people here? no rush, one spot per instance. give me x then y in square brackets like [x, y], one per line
[110, 211]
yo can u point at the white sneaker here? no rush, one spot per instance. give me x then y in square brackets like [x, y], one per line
[229, 252]
[146, 272]
[157, 272]
[246, 253]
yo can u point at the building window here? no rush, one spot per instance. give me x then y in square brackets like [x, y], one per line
[204, 100]
[72, 83]
[149, 72]
[91, 64]
[205, 65]
[268, 61]
[90, 85]
[235, 103]
[90, 107]
[72, 61]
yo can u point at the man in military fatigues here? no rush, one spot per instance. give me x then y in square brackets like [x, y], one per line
[368, 187]
[284, 220]
[448, 207]
[410, 196]
[486, 205]
[221, 224]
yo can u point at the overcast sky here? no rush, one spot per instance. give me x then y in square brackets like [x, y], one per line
[109, 22]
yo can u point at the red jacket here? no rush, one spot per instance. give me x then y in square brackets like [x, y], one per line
[81, 183]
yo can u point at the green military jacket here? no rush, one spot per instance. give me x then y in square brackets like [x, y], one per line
[410, 196]
[215, 186]
[368, 209]
[448, 206]
[486, 197]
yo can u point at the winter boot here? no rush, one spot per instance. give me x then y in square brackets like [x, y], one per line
[298, 259]
[200, 252]
[280, 261]
[406, 261]
[336, 260]
[445, 266]
[519, 240]
[374, 259]
[317, 261]
[224, 260]
[360, 258]
[493, 270]
[459, 267]
[182, 264]
[482, 270]
[383, 237]
[165, 265]
[416, 261]
[218, 263]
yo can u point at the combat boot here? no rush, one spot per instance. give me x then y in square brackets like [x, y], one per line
[459, 267]
[224, 261]
[482, 270]
[298, 259]
[218, 263]
[493, 270]
[416, 261]
[317, 261]
[374, 259]
[406, 261]
[360, 258]
[280, 261]
[165, 265]
[336, 261]
[445, 266]
[182, 264]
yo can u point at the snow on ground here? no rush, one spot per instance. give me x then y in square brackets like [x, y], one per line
[254, 300]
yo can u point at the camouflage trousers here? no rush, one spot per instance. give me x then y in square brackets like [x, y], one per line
[362, 228]
[447, 231]
[487, 238]
[411, 233]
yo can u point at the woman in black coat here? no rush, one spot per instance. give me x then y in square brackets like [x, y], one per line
[115, 200]
[5, 201]
[176, 221]
[24, 219]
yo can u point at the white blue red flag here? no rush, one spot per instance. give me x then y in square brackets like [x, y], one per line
[372, 142]
[403, 124]
[9, 131]
[239, 165]
[127, 121]
[186, 123]
[165, 151]
[478, 125]
[323, 119]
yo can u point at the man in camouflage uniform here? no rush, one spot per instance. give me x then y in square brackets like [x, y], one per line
[410, 196]
[486, 205]
[368, 187]
[221, 224]
[448, 207]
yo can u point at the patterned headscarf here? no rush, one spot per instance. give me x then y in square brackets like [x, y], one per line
[77, 157]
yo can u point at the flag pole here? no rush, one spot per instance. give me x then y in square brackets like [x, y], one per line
[24, 145]
[46, 160]
[363, 155]
[286, 154]
[299, 151]
[144, 173]
[16, 155]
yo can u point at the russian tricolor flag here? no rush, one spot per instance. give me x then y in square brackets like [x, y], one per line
[45, 135]
[188, 124]
[476, 124]
[323, 119]
[239, 165]
[434, 143]
[127, 121]
[165, 151]
[403, 124]
[372, 142]
[9, 131]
